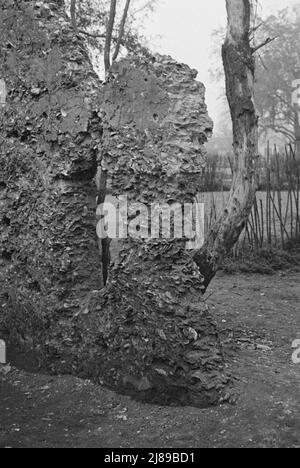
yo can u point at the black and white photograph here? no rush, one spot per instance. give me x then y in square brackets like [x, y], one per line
[150, 227]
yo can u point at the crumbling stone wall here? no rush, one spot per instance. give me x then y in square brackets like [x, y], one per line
[50, 132]
[147, 333]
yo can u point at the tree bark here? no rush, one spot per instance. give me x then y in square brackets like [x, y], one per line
[239, 65]
[73, 14]
[109, 33]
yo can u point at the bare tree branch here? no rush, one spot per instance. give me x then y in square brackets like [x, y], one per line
[142, 8]
[266, 42]
[256, 28]
[281, 130]
[93, 35]
[286, 102]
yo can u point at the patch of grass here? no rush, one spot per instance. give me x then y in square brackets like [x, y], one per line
[265, 261]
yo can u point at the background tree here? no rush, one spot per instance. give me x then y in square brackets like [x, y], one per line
[278, 68]
[110, 28]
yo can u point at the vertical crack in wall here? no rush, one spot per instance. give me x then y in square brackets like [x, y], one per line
[104, 250]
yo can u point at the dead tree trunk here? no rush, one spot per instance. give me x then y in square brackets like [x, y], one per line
[121, 30]
[239, 65]
[297, 134]
[109, 33]
[73, 14]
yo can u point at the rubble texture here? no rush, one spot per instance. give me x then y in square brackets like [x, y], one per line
[147, 333]
[50, 133]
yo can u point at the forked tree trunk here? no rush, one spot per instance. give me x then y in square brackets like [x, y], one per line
[239, 65]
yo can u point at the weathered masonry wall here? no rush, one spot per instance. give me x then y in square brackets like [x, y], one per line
[147, 333]
[50, 131]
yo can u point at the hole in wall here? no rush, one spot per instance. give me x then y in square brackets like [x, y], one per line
[7, 256]
[6, 221]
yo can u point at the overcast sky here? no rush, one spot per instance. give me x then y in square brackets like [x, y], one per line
[185, 28]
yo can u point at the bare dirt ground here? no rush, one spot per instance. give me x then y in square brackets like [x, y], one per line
[259, 318]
